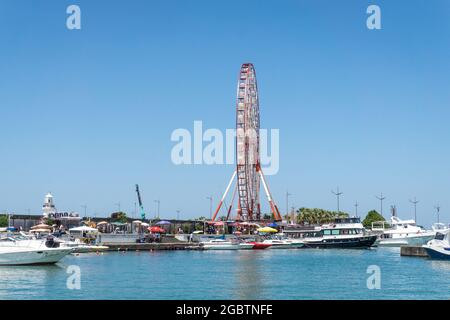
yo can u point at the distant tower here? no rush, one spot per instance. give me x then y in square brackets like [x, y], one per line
[49, 207]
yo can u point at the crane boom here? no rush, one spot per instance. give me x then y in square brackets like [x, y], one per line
[140, 202]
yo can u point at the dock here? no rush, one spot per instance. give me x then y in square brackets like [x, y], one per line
[152, 246]
[413, 251]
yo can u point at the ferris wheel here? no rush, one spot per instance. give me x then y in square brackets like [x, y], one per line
[248, 171]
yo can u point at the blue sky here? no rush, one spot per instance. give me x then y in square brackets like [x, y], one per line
[88, 113]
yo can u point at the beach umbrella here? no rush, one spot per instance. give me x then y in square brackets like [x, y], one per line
[156, 229]
[137, 221]
[41, 226]
[84, 228]
[40, 230]
[163, 222]
[266, 229]
[144, 224]
[219, 223]
[273, 224]
[102, 222]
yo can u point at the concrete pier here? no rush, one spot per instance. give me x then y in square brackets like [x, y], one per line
[413, 251]
[152, 246]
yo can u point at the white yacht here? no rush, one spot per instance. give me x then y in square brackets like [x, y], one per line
[341, 233]
[439, 247]
[219, 244]
[16, 250]
[401, 233]
[281, 242]
[440, 227]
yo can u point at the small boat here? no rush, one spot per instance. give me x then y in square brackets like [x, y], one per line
[439, 247]
[219, 244]
[279, 244]
[246, 245]
[18, 251]
[80, 247]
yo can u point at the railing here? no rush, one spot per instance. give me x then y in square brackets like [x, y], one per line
[117, 238]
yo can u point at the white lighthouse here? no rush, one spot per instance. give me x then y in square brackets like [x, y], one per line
[49, 207]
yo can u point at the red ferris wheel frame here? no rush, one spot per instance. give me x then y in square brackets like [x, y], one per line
[248, 170]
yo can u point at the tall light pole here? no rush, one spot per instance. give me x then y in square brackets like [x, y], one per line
[85, 210]
[210, 206]
[438, 208]
[178, 214]
[415, 202]
[158, 202]
[287, 202]
[337, 194]
[118, 206]
[381, 198]
[356, 208]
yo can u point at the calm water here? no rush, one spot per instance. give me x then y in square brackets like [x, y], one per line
[266, 274]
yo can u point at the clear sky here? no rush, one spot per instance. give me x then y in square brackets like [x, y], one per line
[87, 114]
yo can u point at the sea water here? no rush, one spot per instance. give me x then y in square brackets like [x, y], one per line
[243, 274]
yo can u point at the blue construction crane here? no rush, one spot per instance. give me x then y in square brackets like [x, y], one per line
[140, 203]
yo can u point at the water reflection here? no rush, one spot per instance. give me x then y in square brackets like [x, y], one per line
[250, 277]
[17, 280]
[440, 265]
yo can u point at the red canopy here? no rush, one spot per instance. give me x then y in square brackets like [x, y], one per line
[156, 229]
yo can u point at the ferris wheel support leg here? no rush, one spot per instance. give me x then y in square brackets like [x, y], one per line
[232, 201]
[224, 196]
[273, 206]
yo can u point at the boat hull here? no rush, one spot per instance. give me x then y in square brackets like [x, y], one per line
[246, 246]
[362, 242]
[438, 253]
[32, 257]
[405, 241]
[260, 245]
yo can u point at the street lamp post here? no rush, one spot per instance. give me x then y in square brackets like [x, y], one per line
[159, 203]
[287, 202]
[381, 198]
[438, 208]
[210, 206]
[337, 194]
[85, 209]
[415, 202]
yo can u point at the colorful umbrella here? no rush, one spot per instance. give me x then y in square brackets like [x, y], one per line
[163, 222]
[267, 229]
[156, 229]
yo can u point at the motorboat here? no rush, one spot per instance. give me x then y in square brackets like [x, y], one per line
[24, 251]
[401, 233]
[439, 247]
[219, 244]
[440, 227]
[275, 243]
[341, 233]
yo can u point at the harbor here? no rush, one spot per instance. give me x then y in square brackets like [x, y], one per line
[224, 155]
